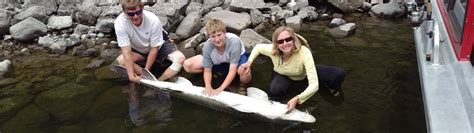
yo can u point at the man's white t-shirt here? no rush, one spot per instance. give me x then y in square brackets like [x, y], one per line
[148, 34]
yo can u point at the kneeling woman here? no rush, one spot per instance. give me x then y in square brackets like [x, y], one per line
[292, 64]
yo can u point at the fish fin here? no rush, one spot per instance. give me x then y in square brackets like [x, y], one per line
[147, 75]
[120, 69]
[183, 81]
[257, 93]
[242, 108]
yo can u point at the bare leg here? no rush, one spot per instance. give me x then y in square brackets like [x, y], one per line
[193, 64]
[245, 78]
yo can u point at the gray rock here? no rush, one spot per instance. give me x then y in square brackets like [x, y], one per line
[4, 67]
[235, 22]
[59, 22]
[82, 29]
[308, 13]
[324, 17]
[195, 40]
[111, 12]
[105, 25]
[294, 22]
[87, 14]
[9, 4]
[246, 5]
[256, 17]
[335, 22]
[194, 7]
[50, 5]
[343, 30]
[101, 35]
[102, 2]
[275, 9]
[297, 5]
[37, 12]
[284, 14]
[58, 47]
[337, 15]
[110, 53]
[91, 52]
[250, 38]
[46, 41]
[209, 4]
[28, 29]
[4, 21]
[67, 8]
[366, 6]
[347, 6]
[189, 26]
[179, 2]
[388, 10]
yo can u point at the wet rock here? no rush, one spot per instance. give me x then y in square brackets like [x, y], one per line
[71, 129]
[250, 38]
[25, 52]
[11, 105]
[235, 22]
[90, 52]
[343, 30]
[28, 29]
[84, 78]
[337, 15]
[8, 81]
[189, 26]
[58, 47]
[335, 22]
[104, 73]
[111, 103]
[67, 102]
[4, 67]
[30, 119]
[59, 22]
[95, 64]
[325, 17]
[104, 126]
[110, 54]
[366, 6]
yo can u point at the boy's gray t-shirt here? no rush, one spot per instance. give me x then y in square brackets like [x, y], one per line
[234, 47]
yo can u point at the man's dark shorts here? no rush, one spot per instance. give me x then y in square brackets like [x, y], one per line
[162, 58]
[224, 67]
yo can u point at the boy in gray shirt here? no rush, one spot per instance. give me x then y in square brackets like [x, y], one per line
[223, 52]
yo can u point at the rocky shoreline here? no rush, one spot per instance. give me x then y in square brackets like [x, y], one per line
[85, 27]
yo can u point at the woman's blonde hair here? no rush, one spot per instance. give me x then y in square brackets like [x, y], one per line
[131, 4]
[214, 25]
[296, 39]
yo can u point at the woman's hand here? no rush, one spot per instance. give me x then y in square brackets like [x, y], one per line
[292, 103]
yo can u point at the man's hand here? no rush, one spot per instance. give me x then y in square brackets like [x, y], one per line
[134, 78]
[292, 103]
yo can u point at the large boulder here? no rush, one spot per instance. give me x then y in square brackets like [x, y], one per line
[59, 22]
[308, 13]
[256, 17]
[28, 29]
[294, 22]
[195, 7]
[388, 10]
[37, 12]
[189, 26]
[250, 38]
[246, 5]
[67, 7]
[235, 22]
[50, 5]
[105, 25]
[87, 14]
[347, 6]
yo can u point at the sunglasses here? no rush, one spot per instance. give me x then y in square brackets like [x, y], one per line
[132, 14]
[288, 39]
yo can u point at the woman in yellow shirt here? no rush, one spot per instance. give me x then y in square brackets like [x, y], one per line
[293, 64]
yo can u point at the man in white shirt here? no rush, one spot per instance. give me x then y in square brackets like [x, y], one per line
[140, 36]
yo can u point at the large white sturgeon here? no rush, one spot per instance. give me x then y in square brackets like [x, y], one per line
[256, 102]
